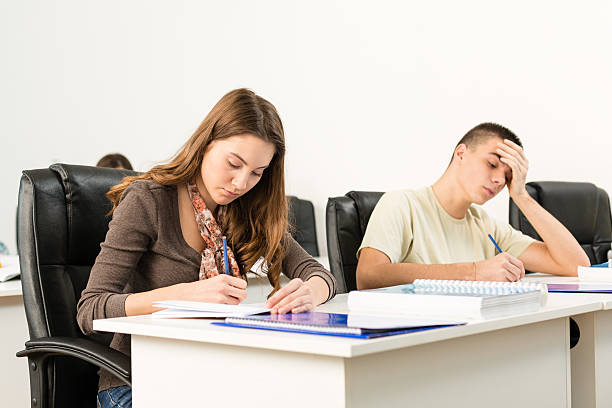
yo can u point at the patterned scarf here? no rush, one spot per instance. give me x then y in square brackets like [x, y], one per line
[212, 255]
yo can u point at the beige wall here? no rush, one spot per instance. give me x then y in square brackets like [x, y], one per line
[373, 94]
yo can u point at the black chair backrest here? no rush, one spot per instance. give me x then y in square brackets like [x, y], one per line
[302, 220]
[583, 208]
[346, 220]
[62, 221]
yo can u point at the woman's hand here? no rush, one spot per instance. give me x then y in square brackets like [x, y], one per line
[220, 289]
[225, 289]
[298, 296]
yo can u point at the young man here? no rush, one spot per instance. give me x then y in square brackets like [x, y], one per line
[437, 233]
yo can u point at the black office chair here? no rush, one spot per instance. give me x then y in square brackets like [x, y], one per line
[302, 220]
[346, 220]
[62, 220]
[583, 208]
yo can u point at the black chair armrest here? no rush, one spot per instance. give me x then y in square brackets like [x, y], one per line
[97, 354]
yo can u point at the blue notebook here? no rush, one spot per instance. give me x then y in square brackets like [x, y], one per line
[337, 324]
[580, 287]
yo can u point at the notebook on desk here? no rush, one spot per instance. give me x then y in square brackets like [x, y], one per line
[451, 298]
[595, 273]
[580, 287]
[187, 309]
[337, 324]
[9, 267]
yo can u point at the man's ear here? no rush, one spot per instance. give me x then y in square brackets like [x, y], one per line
[460, 151]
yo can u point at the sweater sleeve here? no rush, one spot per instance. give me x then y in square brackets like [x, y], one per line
[299, 264]
[130, 233]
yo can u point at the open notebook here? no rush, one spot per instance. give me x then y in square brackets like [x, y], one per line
[182, 309]
[9, 268]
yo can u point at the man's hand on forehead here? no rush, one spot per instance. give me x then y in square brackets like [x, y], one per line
[514, 157]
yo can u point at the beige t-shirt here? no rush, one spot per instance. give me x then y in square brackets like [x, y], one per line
[411, 226]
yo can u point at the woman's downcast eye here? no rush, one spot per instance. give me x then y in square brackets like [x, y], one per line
[237, 166]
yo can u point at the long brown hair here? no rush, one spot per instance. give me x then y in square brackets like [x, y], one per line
[256, 223]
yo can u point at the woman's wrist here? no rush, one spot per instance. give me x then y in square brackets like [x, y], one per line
[320, 290]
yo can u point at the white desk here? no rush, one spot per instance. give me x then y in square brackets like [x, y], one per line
[591, 359]
[14, 376]
[514, 361]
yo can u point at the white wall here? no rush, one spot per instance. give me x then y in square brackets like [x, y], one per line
[374, 95]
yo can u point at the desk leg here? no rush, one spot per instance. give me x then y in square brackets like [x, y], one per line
[14, 374]
[592, 361]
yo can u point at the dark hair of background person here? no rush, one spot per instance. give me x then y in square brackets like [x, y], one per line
[478, 134]
[115, 161]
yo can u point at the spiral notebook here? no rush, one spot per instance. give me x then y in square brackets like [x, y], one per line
[451, 298]
[337, 324]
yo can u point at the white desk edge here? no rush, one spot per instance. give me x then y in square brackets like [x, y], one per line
[201, 330]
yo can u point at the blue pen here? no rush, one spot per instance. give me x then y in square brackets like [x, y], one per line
[225, 256]
[495, 243]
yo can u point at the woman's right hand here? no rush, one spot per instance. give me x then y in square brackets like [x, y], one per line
[225, 289]
[220, 289]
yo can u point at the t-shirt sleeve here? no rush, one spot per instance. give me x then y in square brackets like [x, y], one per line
[509, 239]
[389, 229]
[130, 233]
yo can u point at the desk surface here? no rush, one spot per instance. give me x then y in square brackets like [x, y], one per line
[202, 331]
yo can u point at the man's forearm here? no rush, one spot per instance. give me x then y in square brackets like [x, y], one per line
[560, 243]
[389, 274]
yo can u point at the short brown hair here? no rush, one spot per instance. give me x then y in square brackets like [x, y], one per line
[481, 132]
[484, 131]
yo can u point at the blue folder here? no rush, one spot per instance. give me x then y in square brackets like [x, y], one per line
[579, 287]
[331, 324]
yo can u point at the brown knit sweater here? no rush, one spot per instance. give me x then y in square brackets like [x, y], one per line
[144, 250]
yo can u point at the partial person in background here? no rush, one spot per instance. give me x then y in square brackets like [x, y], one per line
[115, 161]
[165, 240]
[437, 232]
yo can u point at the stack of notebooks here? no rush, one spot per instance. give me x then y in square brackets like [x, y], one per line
[448, 298]
[422, 305]
[598, 273]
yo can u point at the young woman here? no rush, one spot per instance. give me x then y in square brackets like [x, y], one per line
[165, 238]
